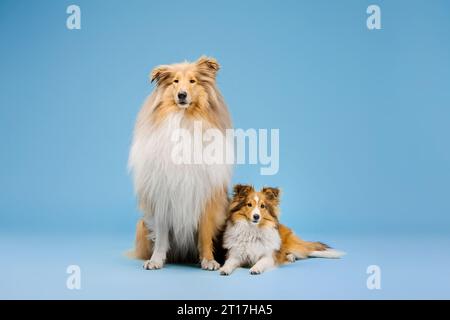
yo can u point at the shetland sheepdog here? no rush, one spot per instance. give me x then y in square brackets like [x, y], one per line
[184, 206]
[254, 237]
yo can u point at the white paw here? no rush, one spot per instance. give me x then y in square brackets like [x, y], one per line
[153, 264]
[210, 265]
[290, 257]
[224, 271]
[256, 270]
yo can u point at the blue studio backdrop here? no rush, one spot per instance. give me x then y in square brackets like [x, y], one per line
[364, 140]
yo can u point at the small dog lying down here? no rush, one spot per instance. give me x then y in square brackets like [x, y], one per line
[255, 238]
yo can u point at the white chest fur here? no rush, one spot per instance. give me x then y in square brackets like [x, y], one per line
[172, 193]
[250, 242]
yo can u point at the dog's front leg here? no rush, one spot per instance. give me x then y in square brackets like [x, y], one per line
[212, 220]
[206, 234]
[262, 265]
[160, 248]
[230, 265]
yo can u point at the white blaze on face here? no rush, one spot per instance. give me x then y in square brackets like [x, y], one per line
[256, 210]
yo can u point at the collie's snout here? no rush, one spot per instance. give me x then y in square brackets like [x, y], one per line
[182, 98]
[182, 95]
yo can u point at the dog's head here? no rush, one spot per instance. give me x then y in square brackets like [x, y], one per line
[187, 84]
[260, 208]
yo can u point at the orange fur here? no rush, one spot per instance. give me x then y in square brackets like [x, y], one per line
[292, 244]
[212, 221]
[143, 245]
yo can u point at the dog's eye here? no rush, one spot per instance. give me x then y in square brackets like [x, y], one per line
[262, 206]
[249, 204]
[176, 81]
[192, 81]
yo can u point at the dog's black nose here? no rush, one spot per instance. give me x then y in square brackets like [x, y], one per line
[256, 216]
[182, 95]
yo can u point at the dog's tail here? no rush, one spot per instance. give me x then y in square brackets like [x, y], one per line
[142, 246]
[301, 249]
[328, 253]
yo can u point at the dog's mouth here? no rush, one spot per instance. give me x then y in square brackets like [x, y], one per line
[183, 103]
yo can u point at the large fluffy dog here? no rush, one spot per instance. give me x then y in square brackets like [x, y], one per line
[184, 205]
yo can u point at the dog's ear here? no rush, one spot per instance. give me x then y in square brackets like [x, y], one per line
[240, 193]
[208, 66]
[272, 194]
[242, 190]
[160, 73]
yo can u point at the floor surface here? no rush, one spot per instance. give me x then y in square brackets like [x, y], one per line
[34, 266]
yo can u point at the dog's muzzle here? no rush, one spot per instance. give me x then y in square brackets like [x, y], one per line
[182, 98]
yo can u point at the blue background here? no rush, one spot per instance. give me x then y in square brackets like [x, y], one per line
[364, 139]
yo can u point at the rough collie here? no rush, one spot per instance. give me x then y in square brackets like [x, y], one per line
[255, 238]
[184, 205]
